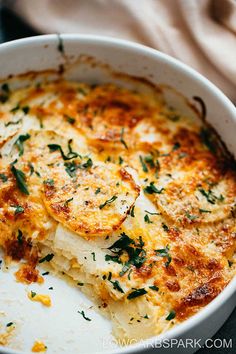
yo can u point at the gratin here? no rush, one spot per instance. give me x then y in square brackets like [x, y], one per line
[132, 200]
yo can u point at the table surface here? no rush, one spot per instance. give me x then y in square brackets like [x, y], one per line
[12, 28]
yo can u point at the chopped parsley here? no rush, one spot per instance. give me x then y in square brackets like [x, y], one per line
[108, 201]
[171, 315]
[191, 216]
[122, 138]
[165, 227]
[20, 179]
[16, 108]
[151, 189]
[115, 259]
[70, 155]
[120, 160]
[98, 190]
[19, 143]
[147, 219]
[85, 317]
[87, 164]
[131, 212]
[116, 286]
[45, 273]
[9, 324]
[18, 209]
[164, 252]
[154, 287]
[204, 211]
[149, 160]
[210, 196]
[31, 167]
[68, 201]
[136, 253]
[151, 213]
[176, 146]
[3, 177]
[13, 123]
[33, 294]
[136, 293]
[47, 258]
[70, 119]
[144, 166]
[49, 182]
[72, 167]
[93, 255]
[25, 109]
[20, 237]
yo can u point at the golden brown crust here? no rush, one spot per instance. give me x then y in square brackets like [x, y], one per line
[126, 162]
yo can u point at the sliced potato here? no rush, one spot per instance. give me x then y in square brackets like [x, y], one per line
[93, 201]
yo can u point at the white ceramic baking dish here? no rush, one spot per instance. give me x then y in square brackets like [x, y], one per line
[41, 53]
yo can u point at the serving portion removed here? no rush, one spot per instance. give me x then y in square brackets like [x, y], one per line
[132, 200]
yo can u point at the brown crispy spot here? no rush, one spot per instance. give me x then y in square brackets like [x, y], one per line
[173, 285]
[170, 270]
[21, 250]
[28, 274]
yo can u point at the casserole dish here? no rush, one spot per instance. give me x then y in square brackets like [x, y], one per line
[94, 60]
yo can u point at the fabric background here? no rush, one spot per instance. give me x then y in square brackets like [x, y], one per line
[201, 33]
[11, 27]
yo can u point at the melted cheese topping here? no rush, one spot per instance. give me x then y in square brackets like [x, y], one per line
[128, 197]
[38, 347]
[44, 299]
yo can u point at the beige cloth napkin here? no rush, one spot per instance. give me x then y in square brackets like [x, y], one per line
[201, 33]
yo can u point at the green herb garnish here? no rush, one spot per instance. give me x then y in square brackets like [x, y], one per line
[93, 255]
[98, 190]
[85, 317]
[136, 293]
[20, 237]
[13, 123]
[3, 177]
[151, 213]
[151, 189]
[108, 201]
[71, 154]
[144, 166]
[122, 138]
[20, 179]
[49, 182]
[191, 216]
[25, 109]
[131, 212]
[9, 324]
[70, 119]
[171, 315]
[154, 287]
[47, 258]
[147, 219]
[165, 227]
[120, 160]
[164, 252]
[19, 143]
[204, 211]
[18, 209]
[210, 196]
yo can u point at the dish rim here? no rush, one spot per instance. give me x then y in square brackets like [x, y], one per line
[187, 325]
